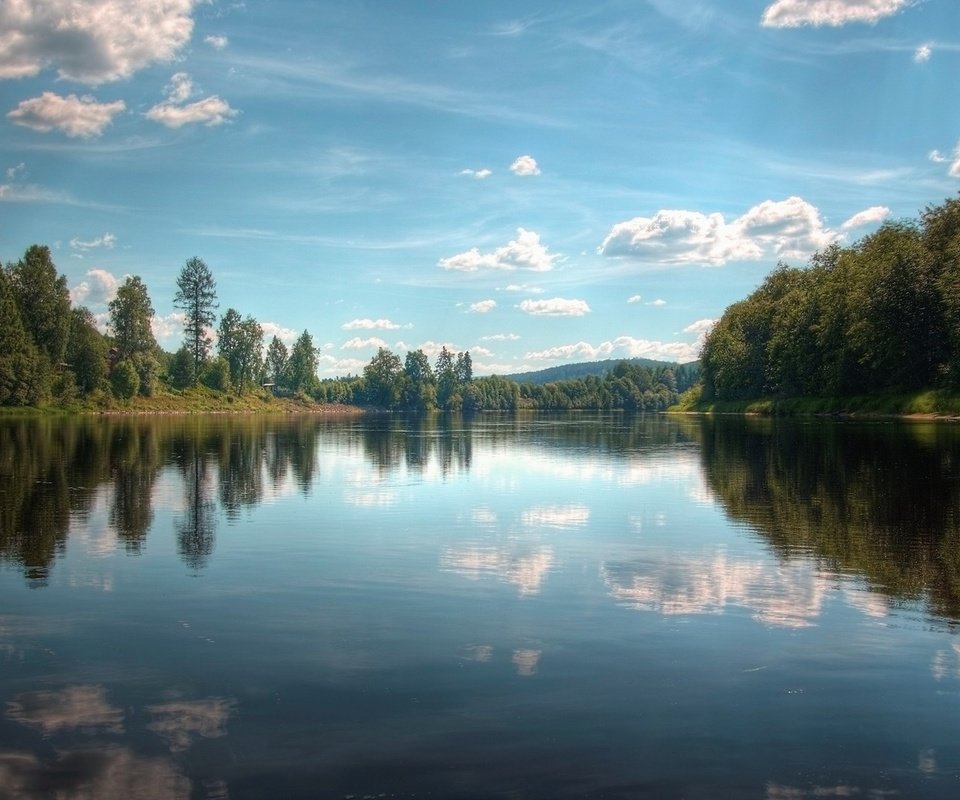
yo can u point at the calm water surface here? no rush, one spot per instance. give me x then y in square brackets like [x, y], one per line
[591, 606]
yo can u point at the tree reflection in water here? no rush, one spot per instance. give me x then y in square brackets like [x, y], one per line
[882, 499]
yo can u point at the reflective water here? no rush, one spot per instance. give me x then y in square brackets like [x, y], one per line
[578, 605]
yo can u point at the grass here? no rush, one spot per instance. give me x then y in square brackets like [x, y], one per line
[196, 400]
[929, 402]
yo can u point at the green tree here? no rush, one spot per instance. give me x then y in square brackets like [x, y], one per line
[302, 364]
[384, 377]
[23, 373]
[276, 361]
[216, 375]
[182, 374]
[463, 368]
[420, 392]
[131, 313]
[86, 351]
[446, 378]
[124, 379]
[197, 297]
[240, 342]
[44, 301]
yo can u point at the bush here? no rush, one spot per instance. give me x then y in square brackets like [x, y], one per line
[124, 380]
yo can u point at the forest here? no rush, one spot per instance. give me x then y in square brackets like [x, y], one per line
[879, 316]
[53, 354]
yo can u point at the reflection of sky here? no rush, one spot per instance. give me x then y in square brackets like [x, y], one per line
[789, 595]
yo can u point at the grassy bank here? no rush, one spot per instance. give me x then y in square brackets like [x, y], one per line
[931, 403]
[198, 400]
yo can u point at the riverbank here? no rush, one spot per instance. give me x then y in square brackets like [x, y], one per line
[199, 400]
[928, 404]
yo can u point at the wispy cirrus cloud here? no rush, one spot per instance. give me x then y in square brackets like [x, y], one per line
[91, 41]
[77, 117]
[868, 216]
[108, 240]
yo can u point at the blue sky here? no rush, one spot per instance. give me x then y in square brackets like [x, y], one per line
[538, 183]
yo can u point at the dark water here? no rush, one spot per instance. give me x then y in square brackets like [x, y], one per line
[558, 606]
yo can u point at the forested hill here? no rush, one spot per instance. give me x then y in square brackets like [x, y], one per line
[879, 316]
[686, 374]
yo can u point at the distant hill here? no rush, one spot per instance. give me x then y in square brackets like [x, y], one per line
[599, 368]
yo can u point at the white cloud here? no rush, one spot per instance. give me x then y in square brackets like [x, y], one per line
[108, 240]
[955, 164]
[522, 287]
[210, 111]
[98, 290]
[922, 53]
[795, 13]
[481, 351]
[17, 172]
[658, 302]
[621, 347]
[524, 252]
[180, 88]
[360, 344]
[635, 299]
[556, 307]
[866, 217]
[370, 325]
[217, 42]
[790, 228]
[483, 307]
[525, 166]
[78, 117]
[701, 326]
[91, 41]
[476, 174]
[168, 330]
[937, 157]
[500, 337]
[286, 335]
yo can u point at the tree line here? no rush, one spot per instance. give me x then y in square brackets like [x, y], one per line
[53, 352]
[882, 315]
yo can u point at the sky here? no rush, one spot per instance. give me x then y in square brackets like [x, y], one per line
[539, 183]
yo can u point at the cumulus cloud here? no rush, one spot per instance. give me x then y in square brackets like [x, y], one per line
[77, 117]
[168, 330]
[483, 307]
[524, 252]
[370, 325]
[210, 111]
[796, 13]
[790, 228]
[922, 53]
[635, 299]
[866, 217]
[522, 287]
[357, 343]
[700, 326]
[180, 88]
[525, 166]
[659, 302]
[217, 42]
[500, 337]
[91, 41]
[556, 307]
[271, 329]
[621, 347]
[476, 174]
[108, 240]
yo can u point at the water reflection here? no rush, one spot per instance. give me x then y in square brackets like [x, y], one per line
[878, 499]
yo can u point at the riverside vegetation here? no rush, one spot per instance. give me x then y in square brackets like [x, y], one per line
[53, 356]
[870, 327]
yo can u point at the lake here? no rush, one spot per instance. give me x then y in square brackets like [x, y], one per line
[534, 606]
